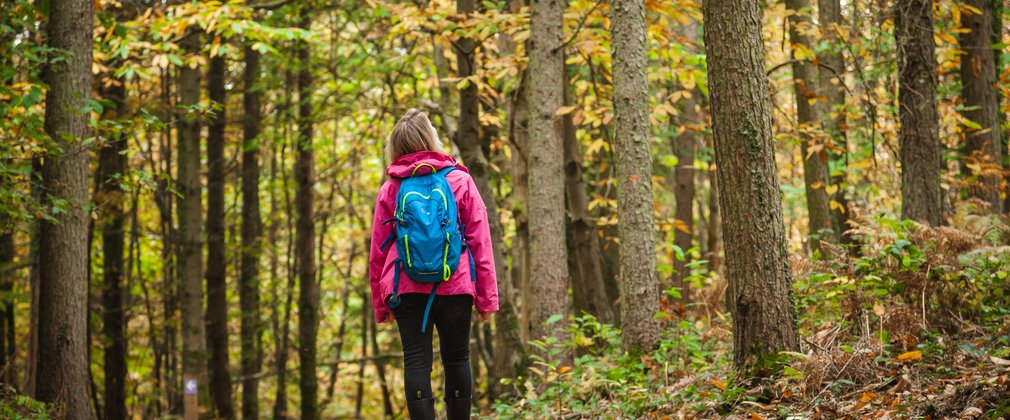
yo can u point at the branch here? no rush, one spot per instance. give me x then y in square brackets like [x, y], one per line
[12, 267]
[269, 5]
[582, 23]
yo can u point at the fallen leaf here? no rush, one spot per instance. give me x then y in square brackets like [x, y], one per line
[718, 384]
[909, 356]
[999, 361]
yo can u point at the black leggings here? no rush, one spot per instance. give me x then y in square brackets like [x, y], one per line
[450, 314]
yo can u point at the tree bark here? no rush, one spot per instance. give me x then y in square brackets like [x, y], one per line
[548, 278]
[467, 138]
[633, 136]
[252, 243]
[217, 285]
[62, 364]
[684, 147]
[589, 293]
[308, 289]
[111, 199]
[189, 254]
[983, 146]
[8, 347]
[757, 264]
[508, 331]
[832, 84]
[919, 134]
[714, 232]
[812, 146]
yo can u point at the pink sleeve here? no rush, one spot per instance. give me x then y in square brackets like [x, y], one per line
[473, 214]
[377, 255]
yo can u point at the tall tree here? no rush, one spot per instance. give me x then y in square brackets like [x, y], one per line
[111, 199]
[308, 289]
[548, 280]
[589, 292]
[983, 145]
[62, 364]
[832, 85]
[217, 285]
[919, 135]
[812, 146]
[189, 212]
[252, 242]
[757, 264]
[509, 322]
[8, 348]
[469, 141]
[636, 226]
[684, 147]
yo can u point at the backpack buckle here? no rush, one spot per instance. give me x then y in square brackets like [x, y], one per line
[393, 300]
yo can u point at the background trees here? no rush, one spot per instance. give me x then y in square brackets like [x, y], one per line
[615, 149]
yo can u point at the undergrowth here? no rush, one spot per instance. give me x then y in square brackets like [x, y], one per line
[916, 325]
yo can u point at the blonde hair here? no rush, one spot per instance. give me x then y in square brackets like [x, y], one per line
[413, 133]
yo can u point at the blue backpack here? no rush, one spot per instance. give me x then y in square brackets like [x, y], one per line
[428, 233]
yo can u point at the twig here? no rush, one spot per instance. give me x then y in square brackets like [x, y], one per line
[582, 23]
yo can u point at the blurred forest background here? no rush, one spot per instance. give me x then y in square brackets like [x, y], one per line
[736, 208]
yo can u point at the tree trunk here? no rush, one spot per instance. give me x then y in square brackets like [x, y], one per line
[636, 225]
[714, 232]
[832, 85]
[252, 243]
[217, 285]
[684, 147]
[757, 264]
[982, 146]
[62, 363]
[467, 138]
[812, 146]
[548, 278]
[308, 289]
[111, 199]
[509, 358]
[584, 259]
[8, 347]
[189, 257]
[919, 134]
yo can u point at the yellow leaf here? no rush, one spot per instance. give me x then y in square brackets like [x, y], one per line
[564, 110]
[862, 164]
[831, 189]
[817, 185]
[718, 384]
[563, 369]
[909, 356]
[836, 206]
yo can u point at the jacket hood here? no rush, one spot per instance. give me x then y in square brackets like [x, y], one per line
[405, 165]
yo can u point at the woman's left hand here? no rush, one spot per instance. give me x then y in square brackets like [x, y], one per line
[485, 317]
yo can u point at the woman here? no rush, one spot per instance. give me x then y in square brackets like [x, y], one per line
[414, 146]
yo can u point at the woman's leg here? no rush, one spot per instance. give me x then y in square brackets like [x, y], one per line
[451, 315]
[416, 346]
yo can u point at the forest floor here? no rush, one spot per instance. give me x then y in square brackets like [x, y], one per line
[918, 326]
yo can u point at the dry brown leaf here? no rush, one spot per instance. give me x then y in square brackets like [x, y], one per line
[999, 361]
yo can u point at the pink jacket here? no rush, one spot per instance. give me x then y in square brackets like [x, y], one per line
[473, 216]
